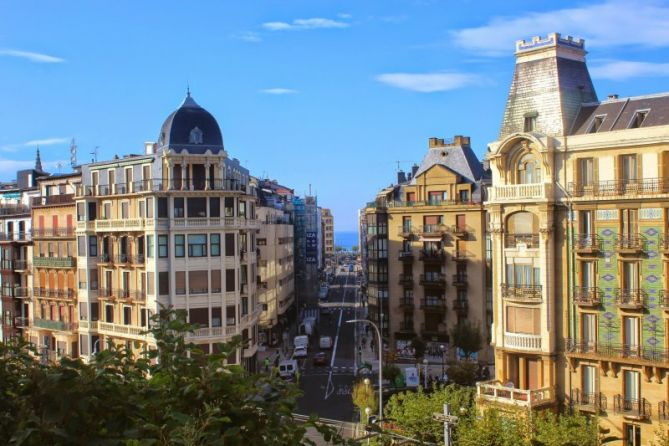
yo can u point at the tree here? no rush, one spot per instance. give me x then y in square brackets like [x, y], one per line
[173, 394]
[364, 397]
[492, 429]
[564, 430]
[391, 372]
[418, 346]
[463, 373]
[355, 248]
[467, 337]
[411, 412]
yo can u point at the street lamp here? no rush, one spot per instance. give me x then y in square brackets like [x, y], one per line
[425, 374]
[380, 344]
[442, 347]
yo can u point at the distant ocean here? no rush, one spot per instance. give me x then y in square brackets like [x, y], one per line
[346, 239]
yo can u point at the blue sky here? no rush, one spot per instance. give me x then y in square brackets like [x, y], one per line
[327, 93]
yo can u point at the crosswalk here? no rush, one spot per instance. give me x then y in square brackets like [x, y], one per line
[324, 371]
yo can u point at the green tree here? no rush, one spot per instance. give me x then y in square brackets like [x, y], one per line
[391, 372]
[171, 395]
[355, 248]
[492, 429]
[419, 347]
[363, 396]
[463, 373]
[467, 337]
[411, 412]
[575, 429]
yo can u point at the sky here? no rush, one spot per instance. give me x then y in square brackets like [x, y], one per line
[332, 95]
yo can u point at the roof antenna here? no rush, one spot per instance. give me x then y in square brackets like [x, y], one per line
[95, 154]
[73, 153]
[187, 88]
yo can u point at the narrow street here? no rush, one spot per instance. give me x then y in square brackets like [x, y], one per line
[327, 389]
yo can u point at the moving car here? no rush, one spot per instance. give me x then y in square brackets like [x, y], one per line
[300, 352]
[320, 358]
[325, 342]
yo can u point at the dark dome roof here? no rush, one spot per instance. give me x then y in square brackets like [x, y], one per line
[191, 128]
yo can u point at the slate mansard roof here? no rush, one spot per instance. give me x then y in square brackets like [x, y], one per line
[191, 128]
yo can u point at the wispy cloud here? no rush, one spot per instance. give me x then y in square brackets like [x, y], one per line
[304, 24]
[625, 69]
[46, 142]
[429, 82]
[278, 91]
[33, 57]
[344, 15]
[606, 24]
[248, 36]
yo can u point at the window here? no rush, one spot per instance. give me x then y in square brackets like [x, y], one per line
[411, 197]
[464, 196]
[528, 170]
[588, 383]
[149, 246]
[632, 434]
[242, 208]
[628, 167]
[215, 280]
[597, 122]
[143, 319]
[149, 208]
[109, 314]
[585, 223]
[180, 282]
[95, 311]
[632, 382]
[178, 207]
[638, 119]
[216, 319]
[589, 331]
[162, 208]
[125, 210]
[81, 211]
[586, 171]
[630, 276]
[587, 274]
[530, 123]
[229, 207]
[92, 246]
[215, 245]
[198, 282]
[631, 335]
[81, 245]
[179, 245]
[127, 316]
[229, 280]
[197, 245]
[629, 223]
[406, 224]
[163, 283]
[214, 207]
[523, 320]
[162, 246]
[197, 207]
[230, 245]
[106, 211]
[436, 197]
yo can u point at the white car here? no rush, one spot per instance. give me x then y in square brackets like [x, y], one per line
[300, 352]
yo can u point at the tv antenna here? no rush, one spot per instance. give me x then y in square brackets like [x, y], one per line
[73, 153]
[94, 153]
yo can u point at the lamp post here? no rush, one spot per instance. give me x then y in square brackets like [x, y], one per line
[425, 373]
[442, 347]
[380, 344]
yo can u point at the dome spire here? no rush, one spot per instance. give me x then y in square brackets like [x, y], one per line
[188, 100]
[38, 161]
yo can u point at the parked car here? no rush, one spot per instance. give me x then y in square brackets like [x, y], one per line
[300, 352]
[325, 342]
[287, 369]
[320, 358]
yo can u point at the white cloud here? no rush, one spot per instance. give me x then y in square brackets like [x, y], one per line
[46, 142]
[429, 82]
[608, 24]
[248, 36]
[302, 24]
[344, 15]
[625, 69]
[33, 57]
[278, 91]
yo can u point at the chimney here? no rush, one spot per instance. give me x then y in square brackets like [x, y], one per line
[433, 142]
[414, 169]
[613, 97]
[149, 148]
[401, 177]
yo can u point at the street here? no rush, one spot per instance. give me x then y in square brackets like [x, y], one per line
[327, 389]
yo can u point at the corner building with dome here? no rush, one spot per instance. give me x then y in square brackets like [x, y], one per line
[174, 226]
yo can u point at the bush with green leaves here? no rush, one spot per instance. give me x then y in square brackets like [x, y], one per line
[171, 395]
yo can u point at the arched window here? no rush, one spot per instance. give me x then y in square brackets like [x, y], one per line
[528, 170]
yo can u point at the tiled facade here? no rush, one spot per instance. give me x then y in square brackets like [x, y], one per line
[327, 229]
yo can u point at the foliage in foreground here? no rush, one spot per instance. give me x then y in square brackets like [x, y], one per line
[174, 395]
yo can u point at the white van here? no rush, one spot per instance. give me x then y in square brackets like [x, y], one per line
[287, 368]
[325, 342]
[301, 341]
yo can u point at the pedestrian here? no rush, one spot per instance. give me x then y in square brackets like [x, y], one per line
[266, 362]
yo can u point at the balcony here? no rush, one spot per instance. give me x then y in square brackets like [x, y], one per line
[53, 200]
[431, 331]
[522, 293]
[663, 411]
[54, 262]
[461, 256]
[629, 244]
[122, 258]
[20, 236]
[54, 325]
[40, 233]
[22, 265]
[624, 187]
[588, 402]
[122, 224]
[461, 231]
[432, 256]
[435, 230]
[55, 293]
[405, 256]
[461, 307]
[122, 330]
[460, 280]
[433, 305]
[496, 392]
[405, 231]
[664, 299]
[522, 341]
[632, 408]
[435, 280]
[587, 244]
[105, 258]
[521, 241]
[630, 299]
[21, 322]
[622, 352]
[521, 192]
[405, 280]
[587, 297]
[22, 292]
[130, 295]
[406, 303]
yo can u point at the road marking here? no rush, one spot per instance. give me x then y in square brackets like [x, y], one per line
[334, 348]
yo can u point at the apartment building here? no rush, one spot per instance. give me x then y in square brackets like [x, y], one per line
[425, 251]
[308, 251]
[276, 281]
[175, 226]
[16, 251]
[53, 307]
[327, 230]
